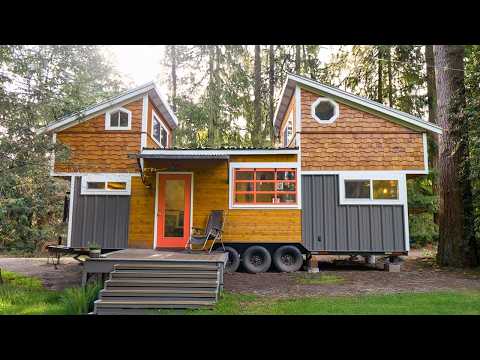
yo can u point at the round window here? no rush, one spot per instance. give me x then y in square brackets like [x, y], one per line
[325, 110]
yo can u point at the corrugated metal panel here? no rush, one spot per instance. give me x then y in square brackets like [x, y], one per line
[102, 219]
[329, 226]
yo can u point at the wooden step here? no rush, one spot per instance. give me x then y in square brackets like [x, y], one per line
[155, 304]
[183, 274]
[162, 282]
[120, 311]
[159, 293]
[156, 288]
[160, 266]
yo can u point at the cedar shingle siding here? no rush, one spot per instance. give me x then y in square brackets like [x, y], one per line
[94, 149]
[357, 140]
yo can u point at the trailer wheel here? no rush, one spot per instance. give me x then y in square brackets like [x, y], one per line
[233, 261]
[256, 259]
[287, 258]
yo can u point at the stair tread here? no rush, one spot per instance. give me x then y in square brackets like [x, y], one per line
[163, 281]
[153, 302]
[165, 266]
[147, 291]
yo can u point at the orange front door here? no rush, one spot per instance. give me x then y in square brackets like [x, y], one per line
[173, 213]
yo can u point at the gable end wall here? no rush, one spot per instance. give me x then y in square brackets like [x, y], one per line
[357, 140]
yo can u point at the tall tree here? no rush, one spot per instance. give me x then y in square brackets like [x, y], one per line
[257, 102]
[298, 59]
[455, 214]
[174, 77]
[271, 92]
[380, 61]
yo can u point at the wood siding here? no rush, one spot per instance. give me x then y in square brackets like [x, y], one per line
[357, 140]
[210, 192]
[142, 214]
[94, 149]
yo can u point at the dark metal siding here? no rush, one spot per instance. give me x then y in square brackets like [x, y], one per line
[347, 228]
[102, 219]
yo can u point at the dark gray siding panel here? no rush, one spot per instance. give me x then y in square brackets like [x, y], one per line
[329, 226]
[102, 219]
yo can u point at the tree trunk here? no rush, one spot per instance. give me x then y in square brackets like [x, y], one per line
[271, 92]
[211, 92]
[455, 228]
[389, 69]
[432, 116]
[298, 59]
[379, 77]
[174, 78]
[257, 121]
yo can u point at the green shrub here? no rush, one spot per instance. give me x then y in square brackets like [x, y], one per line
[79, 300]
[422, 229]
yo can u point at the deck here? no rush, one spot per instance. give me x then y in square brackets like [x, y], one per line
[105, 264]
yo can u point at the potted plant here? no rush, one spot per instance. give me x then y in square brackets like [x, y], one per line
[94, 250]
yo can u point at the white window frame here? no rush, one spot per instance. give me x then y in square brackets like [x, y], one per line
[289, 127]
[335, 113]
[107, 119]
[402, 196]
[264, 165]
[127, 178]
[157, 118]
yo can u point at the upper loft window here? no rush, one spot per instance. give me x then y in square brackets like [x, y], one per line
[325, 111]
[118, 119]
[159, 132]
[288, 132]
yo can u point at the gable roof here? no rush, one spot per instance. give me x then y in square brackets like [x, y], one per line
[149, 88]
[293, 80]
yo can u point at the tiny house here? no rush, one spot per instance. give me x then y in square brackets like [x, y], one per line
[334, 184]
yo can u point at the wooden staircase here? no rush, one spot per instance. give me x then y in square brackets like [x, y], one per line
[138, 288]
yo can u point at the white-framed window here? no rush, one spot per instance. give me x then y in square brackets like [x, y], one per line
[106, 184]
[118, 119]
[325, 110]
[264, 185]
[288, 131]
[159, 131]
[379, 188]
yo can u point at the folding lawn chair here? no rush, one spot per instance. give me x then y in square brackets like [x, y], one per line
[213, 231]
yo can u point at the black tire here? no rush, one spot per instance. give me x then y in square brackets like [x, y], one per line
[287, 258]
[256, 259]
[233, 261]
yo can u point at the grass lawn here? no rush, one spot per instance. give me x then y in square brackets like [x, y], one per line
[435, 303]
[21, 295]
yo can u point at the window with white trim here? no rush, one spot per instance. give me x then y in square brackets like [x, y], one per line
[264, 186]
[325, 110]
[370, 190]
[106, 184]
[118, 119]
[288, 132]
[159, 132]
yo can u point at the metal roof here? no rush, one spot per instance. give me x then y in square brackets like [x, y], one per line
[293, 80]
[149, 88]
